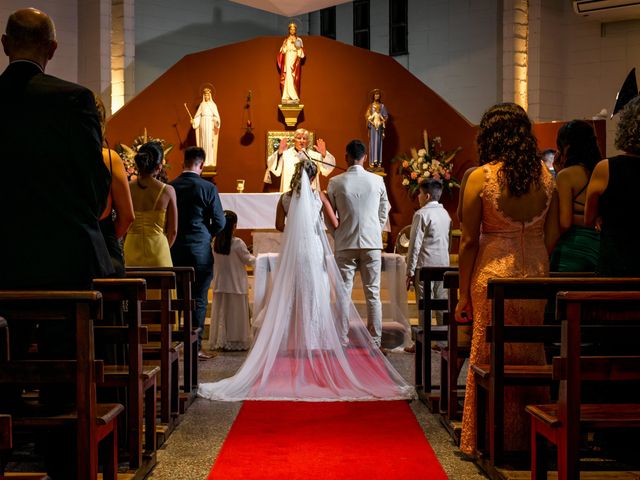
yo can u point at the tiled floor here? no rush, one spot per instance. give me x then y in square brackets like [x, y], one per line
[192, 448]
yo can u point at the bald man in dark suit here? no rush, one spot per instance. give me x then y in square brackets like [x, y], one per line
[53, 182]
[53, 187]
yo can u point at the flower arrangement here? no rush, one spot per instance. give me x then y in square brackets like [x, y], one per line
[425, 163]
[128, 155]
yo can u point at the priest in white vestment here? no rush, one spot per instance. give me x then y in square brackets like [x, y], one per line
[282, 162]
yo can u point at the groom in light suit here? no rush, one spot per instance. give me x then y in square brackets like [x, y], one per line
[360, 200]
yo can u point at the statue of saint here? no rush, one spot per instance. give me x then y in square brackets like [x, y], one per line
[376, 117]
[206, 123]
[289, 58]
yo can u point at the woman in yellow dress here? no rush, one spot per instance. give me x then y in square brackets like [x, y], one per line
[156, 215]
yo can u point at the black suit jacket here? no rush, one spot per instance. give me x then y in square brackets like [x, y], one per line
[200, 218]
[53, 182]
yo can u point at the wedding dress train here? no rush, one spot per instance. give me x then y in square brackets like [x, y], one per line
[311, 345]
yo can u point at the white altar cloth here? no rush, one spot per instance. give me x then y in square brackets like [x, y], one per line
[254, 210]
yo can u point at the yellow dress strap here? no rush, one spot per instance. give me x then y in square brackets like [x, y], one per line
[159, 195]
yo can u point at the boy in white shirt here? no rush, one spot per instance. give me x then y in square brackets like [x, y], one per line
[429, 240]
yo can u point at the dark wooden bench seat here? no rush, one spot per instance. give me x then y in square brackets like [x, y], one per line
[33, 415]
[128, 371]
[183, 304]
[94, 424]
[158, 316]
[606, 363]
[6, 440]
[425, 333]
[491, 379]
[527, 374]
[592, 416]
[452, 355]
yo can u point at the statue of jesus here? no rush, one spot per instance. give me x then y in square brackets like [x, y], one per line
[289, 63]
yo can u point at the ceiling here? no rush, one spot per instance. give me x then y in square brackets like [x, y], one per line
[290, 8]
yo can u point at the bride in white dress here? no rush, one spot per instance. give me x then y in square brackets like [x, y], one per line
[297, 353]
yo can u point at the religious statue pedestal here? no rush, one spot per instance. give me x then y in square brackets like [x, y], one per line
[209, 172]
[377, 170]
[290, 112]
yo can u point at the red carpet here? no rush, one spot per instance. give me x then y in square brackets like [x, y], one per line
[333, 440]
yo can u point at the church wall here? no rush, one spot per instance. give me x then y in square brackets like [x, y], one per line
[547, 59]
[64, 13]
[452, 43]
[166, 31]
[334, 110]
[599, 57]
[344, 23]
[576, 64]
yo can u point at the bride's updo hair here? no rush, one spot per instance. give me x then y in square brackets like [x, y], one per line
[149, 157]
[296, 180]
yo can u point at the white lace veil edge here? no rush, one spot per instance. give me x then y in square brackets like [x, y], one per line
[312, 344]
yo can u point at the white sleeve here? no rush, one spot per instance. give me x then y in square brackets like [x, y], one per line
[415, 242]
[274, 165]
[383, 209]
[329, 163]
[244, 254]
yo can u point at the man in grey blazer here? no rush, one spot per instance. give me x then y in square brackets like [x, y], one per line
[360, 200]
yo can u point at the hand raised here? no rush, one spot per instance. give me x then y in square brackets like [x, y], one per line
[320, 147]
[283, 145]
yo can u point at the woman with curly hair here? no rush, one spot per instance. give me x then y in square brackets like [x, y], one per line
[285, 199]
[578, 153]
[510, 226]
[610, 195]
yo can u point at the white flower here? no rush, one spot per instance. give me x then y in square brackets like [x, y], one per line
[427, 173]
[405, 182]
[425, 166]
[422, 152]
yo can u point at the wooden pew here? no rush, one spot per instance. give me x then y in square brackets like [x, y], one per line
[6, 440]
[94, 423]
[184, 305]
[158, 315]
[425, 333]
[618, 313]
[491, 378]
[127, 370]
[6, 434]
[450, 358]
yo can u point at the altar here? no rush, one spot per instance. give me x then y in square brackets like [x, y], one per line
[256, 211]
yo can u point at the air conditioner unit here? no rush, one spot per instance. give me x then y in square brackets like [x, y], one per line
[608, 10]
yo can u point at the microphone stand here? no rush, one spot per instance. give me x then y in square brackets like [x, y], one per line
[304, 151]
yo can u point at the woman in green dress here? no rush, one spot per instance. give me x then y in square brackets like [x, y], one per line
[578, 153]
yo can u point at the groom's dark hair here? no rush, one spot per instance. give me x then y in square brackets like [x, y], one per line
[193, 155]
[355, 151]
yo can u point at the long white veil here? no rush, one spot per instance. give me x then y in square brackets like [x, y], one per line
[312, 345]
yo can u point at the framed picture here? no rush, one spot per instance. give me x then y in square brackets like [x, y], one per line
[274, 138]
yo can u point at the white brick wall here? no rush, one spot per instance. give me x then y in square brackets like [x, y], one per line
[64, 14]
[167, 30]
[576, 65]
[599, 59]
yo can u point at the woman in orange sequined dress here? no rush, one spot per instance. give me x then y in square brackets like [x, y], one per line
[510, 225]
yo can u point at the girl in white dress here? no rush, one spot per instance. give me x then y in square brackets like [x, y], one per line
[230, 316]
